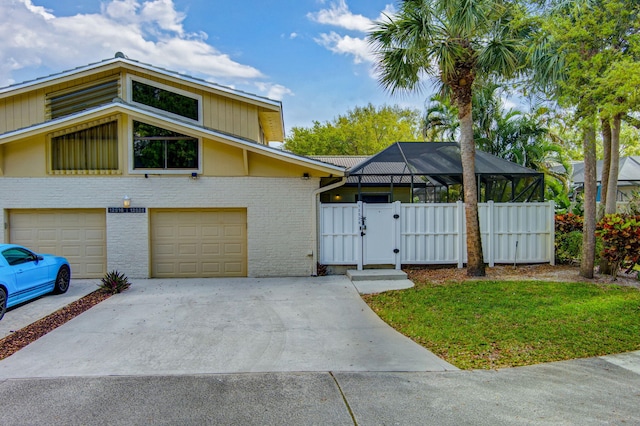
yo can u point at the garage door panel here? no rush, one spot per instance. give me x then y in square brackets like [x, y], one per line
[187, 249]
[165, 250]
[211, 267]
[71, 251]
[232, 231]
[232, 268]
[72, 235]
[231, 249]
[210, 231]
[96, 269]
[78, 235]
[44, 234]
[163, 231]
[94, 235]
[211, 249]
[187, 231]
[205, 243]
[95, 248]
[165, 269]
[188, 268]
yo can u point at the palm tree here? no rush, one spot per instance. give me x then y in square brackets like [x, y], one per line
[440, 122]
[453, 41]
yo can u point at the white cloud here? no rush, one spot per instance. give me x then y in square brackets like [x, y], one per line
[274, 91]
[38, 10]
[150, 31]
[347, 45]
[339, 15]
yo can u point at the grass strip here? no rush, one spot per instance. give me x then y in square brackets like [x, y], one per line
[496, 324]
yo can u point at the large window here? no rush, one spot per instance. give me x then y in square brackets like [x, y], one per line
[90, 149]
[166, 98]
[81, 99]
[160, 149]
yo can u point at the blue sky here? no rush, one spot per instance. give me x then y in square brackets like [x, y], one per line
[310, 54]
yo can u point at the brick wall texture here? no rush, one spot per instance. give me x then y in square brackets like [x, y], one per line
[279, 213]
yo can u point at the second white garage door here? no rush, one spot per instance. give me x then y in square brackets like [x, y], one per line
[198, 243]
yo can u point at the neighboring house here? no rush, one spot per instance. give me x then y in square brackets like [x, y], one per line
[430, 172]
[122, 165]
[628, 177]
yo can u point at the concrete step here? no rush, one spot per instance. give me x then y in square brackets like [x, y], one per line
[380, 286]
[376, 275]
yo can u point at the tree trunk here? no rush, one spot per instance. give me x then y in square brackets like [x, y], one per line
[590, 188]
[605, 267]
[612, 182]
[606, 165]
[475, 259]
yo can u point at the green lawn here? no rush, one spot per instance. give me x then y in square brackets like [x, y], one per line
[495, 324]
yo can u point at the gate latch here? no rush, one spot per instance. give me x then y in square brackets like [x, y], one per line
[396, 216]
[396, 251]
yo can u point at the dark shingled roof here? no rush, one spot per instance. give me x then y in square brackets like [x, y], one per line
[433, 159]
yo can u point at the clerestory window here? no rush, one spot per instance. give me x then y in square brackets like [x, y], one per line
[168, 99]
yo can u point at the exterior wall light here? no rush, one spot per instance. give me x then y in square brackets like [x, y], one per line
[194, 175]
[126, 202]
[305, 176]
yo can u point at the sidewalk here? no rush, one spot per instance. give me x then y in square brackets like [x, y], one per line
[591, 391]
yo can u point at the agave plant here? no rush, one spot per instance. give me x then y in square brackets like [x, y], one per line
[114, 282]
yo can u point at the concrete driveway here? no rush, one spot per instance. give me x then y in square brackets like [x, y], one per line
[204, 326]
[150, 356]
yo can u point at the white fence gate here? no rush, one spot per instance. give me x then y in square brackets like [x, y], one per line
[367, 234]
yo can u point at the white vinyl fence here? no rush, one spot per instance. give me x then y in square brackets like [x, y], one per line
[368, 234]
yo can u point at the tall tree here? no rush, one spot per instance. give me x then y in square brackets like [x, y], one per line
[587, 261]
[453, 41]
[578, 56]
[361, 131]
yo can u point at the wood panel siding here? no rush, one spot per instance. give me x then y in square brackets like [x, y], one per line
[21, 111]
[262, 165]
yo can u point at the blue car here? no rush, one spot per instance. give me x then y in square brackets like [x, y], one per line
[25, 275]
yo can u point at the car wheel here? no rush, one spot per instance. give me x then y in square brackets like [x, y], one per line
[3, 302]
[62, 280]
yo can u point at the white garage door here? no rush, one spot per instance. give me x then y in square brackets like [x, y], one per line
[78, 235]
[199, 243]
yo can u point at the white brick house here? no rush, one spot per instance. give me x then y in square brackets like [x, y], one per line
[208, 196]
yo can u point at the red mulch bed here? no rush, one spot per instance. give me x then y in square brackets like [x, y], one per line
[21, 338]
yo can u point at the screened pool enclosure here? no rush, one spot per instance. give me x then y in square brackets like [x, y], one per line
[432, 172]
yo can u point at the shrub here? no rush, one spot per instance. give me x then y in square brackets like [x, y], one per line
[634, 203]
[568, 222]
[114, 282]
[569, 247]
[568, 240]
[620, 235]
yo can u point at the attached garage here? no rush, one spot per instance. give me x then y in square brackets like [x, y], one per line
[78, 235]
[198, 243]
